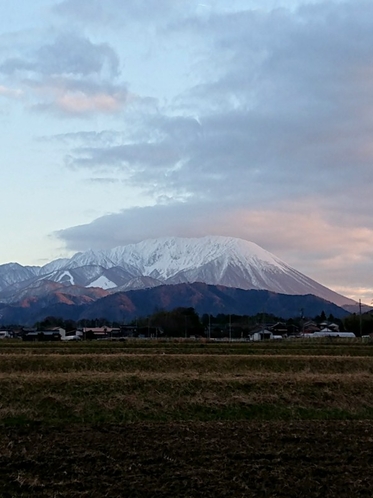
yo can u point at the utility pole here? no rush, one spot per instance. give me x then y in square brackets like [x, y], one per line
[302, 319]
[360, 320]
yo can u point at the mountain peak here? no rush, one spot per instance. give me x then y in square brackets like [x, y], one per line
[214, 260]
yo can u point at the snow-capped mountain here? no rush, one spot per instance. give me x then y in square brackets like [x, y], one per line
[212, 260]
[12, 273]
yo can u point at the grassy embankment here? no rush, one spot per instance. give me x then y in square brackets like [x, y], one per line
[102, 382]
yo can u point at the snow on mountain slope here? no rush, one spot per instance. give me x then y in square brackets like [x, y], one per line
[165, 257]
[102, 282]
[56, 265]
[219, 260]
[212, 260]
[90, 258]
[66, 277]
[13, 273]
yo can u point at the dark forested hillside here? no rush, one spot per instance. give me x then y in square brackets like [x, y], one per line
[125, 306]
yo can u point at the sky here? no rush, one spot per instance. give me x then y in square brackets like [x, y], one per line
[123, 121]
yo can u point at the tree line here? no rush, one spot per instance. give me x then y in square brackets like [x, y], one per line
[183, 321]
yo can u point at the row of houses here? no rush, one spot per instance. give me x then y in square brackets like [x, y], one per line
[276, 331]
[309, 329]
[87, 333]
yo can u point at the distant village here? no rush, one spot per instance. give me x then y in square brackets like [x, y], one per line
[233, 329]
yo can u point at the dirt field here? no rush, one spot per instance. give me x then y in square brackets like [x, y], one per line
[275, 459]
[186, 420]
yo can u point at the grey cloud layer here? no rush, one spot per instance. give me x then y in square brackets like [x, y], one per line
[70, 75]
[293, 231]
[69, 53]
[130, 225]
[288, 103]
[117, 12]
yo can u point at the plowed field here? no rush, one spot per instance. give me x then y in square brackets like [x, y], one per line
[186, 420]
[276, 459]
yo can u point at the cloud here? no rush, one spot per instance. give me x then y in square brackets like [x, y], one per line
[69, 76]
[136, 224]
[10, 92]
[68, 54]
[145, 155]
[293, 228]
[284, 101]
[73, 97]
[116, 12]
[101, 138]
[81, 103]
[300, 236]
[104, 181]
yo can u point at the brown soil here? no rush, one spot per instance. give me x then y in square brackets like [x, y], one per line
[248, 459]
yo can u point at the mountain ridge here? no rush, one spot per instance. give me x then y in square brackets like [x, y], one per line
[214, 260]
[126, 306]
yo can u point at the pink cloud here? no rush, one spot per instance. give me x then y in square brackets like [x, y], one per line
[305, 239]
[81, 103]
[74, 98]
[10, 92]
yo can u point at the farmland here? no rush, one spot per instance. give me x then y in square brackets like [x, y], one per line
[148, 418]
